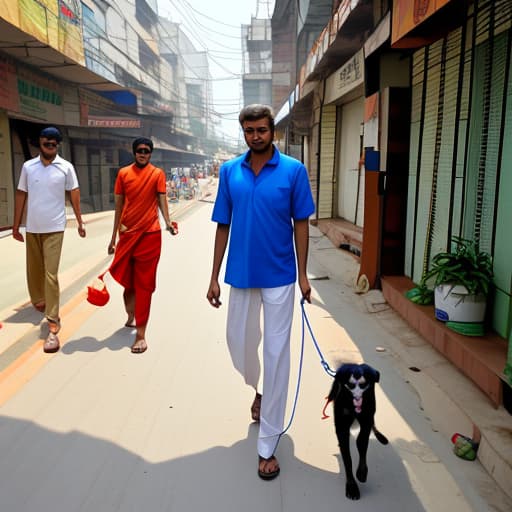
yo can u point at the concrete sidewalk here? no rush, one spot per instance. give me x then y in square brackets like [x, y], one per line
[82, 259]
[96, 428]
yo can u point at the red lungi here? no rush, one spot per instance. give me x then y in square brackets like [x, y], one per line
[134, 267]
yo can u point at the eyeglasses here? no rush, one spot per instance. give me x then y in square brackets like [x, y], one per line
[260, 131]
[143, 151]
[49, 144]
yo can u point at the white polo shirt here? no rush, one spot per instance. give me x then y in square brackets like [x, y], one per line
[46, 188]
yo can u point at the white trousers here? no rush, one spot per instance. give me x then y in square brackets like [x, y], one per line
[244, 337]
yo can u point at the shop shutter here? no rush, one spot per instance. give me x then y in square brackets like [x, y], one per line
[327, 147]
[418, 76]
[426, 192]
[445, 138]
[485, 130]
[313, 164]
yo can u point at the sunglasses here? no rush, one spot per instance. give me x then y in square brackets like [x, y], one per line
[49, 144]
[143, 151]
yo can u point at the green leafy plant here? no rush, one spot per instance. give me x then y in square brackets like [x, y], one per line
[466, 265]
[421, 294]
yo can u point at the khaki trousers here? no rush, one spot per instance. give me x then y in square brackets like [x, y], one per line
[43, 258]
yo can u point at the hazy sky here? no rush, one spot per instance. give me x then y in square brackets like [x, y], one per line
[215, 26]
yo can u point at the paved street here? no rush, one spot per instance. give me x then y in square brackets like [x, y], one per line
[96, 428]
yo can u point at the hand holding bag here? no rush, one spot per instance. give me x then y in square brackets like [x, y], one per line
[97, 293]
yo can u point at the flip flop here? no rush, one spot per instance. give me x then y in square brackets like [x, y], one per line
[268, 475]
[131, 326]
[139, 347]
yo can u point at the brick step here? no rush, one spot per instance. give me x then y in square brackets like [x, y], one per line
[342, 234]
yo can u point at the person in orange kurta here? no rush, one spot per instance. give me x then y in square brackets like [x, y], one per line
[139, 191]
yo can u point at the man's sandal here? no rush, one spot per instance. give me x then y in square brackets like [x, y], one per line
[139, 347]
[256, 407]
[51, 343]
[264, 463]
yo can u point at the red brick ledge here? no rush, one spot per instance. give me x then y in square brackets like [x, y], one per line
[481, 359]
[340, 232]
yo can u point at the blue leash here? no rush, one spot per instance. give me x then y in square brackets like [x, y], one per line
[323, 362]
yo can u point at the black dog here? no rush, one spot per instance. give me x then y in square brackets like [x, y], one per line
[353, 393]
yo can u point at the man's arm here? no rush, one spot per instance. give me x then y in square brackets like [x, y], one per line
[119, 204]
[301, 234]
[164, 208]
[221, 241]
[19, 204]
[74, 197]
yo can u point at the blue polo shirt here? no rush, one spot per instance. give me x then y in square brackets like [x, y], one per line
[260, 210]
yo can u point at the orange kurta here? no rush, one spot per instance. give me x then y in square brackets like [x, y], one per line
[140, 188]
[137, 254]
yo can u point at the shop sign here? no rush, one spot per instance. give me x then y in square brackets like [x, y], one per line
[408, 14]
[346, 78]
[112, 122]
[39, 97]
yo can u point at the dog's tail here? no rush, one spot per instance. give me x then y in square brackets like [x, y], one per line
[379, 435]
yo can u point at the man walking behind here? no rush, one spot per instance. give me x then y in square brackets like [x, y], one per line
[140, 189]
[43, 184]
[262, 206]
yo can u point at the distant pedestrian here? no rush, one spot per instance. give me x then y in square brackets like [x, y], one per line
[263, 204]
[140, 190]
[42, 187]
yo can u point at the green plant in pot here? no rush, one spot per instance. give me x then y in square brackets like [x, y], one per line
[462, 279]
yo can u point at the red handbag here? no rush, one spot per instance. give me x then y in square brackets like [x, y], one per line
[97, 293]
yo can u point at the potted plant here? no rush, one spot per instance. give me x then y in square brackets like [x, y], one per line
[461, 280]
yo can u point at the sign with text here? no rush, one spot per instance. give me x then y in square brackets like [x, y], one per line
[408, 14]
[58, 23]
[112, 122]
[39, 97]
[346, 78]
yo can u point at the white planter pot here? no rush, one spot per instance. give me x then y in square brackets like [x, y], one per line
[456, 304]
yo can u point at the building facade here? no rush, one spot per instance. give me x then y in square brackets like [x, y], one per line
[103, 72]
[401, 112]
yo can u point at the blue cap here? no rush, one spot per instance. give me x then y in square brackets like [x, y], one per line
[51, 133]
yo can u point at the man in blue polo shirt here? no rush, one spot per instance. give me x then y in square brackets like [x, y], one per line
[263, 204]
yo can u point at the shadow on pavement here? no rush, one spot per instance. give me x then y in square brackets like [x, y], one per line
[118, 340]
[47, 470]
[24, 314]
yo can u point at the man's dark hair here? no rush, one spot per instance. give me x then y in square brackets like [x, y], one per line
[255, 112]
[51, 133]
[142, 141]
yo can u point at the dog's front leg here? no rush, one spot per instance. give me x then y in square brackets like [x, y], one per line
[362, 448]
[351, 487]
